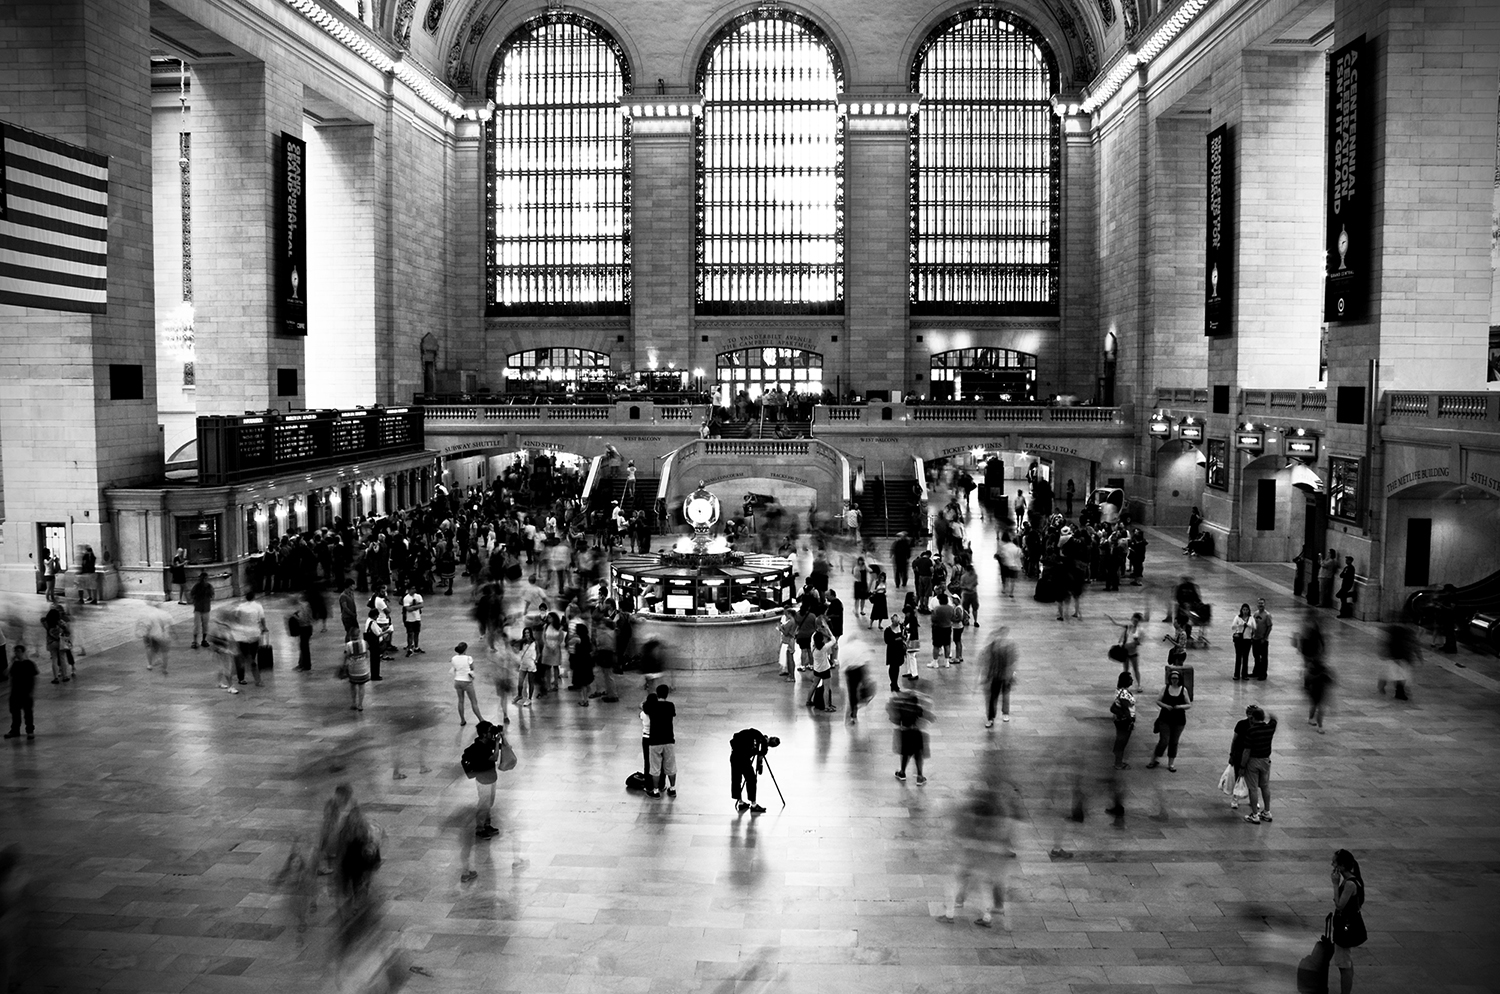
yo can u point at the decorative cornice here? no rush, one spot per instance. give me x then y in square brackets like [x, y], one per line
[1131, 60]
[415, 78]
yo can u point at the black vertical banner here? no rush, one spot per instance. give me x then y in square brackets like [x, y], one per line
[1218, 267]
[291, 236]
[3, 196]
[1351, 82]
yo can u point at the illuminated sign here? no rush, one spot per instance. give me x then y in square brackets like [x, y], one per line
[1160, 429]
[1251, 440]
[1302, 448]
[1191, 433]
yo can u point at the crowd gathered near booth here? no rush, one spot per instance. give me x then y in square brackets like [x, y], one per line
[528, 555]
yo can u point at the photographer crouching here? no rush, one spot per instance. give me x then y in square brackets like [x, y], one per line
[747, 757]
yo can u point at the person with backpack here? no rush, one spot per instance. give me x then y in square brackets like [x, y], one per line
[1348, 924]
[481, 763]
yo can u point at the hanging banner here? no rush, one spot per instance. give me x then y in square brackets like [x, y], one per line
[291, 236]
[1219, 259]
[1351, 83]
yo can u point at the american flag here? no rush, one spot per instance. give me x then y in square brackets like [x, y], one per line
[54, 223]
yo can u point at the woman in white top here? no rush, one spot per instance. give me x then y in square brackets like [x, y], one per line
[1242, 631]
[526, 662]
[463, 681]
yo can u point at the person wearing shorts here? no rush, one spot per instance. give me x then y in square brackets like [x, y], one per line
[463, 681]
[661, 743]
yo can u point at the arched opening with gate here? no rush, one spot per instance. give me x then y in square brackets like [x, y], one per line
[988, 376]
[758, 371]
[542, 372]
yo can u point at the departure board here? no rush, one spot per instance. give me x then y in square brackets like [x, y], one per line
[349, 435]
[235, 449]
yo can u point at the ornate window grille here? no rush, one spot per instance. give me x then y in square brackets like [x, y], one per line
[985, 168]
[770, 169]
[558, 182]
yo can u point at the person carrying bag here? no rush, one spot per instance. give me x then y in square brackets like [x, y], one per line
[1347, 925]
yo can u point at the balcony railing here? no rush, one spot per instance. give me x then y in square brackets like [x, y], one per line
[878, 414]
[1285, 403]
[622, 412]
[1452, 410]
[1181, 396]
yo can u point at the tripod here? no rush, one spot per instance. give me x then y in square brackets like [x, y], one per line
[767, 761]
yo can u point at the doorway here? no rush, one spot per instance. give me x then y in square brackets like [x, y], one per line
[1315, 524]
[52, 537]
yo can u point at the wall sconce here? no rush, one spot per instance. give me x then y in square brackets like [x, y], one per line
[261, 517]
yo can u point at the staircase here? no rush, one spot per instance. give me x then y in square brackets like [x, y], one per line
[898, 501]
[613, 489]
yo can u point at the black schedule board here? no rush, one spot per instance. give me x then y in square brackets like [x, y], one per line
[237, 449]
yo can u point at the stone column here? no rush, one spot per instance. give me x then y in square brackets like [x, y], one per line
[240, 111]
[1274, 105]
[1080, 342]
[663, 237]
[341, 243]
[1436, 74]
[86, 72]
[875, 352]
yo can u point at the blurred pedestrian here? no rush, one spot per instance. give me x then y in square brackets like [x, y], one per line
[1173, 707]
[997, 662]
[981, 830]
[1122, 710]
[23, 674]
[907, 713]
[1402, 653]
[1316, 676]
[155, 630]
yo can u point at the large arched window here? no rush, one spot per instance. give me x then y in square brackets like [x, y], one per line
[770, 169]
[559, 176]
[985, 169]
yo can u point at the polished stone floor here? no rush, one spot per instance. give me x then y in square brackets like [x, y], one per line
[155, 811]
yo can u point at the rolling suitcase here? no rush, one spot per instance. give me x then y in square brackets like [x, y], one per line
[1312, 969]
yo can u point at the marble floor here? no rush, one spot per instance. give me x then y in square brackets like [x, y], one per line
[154, 813]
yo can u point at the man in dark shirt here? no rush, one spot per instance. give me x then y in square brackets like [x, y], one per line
[922, 570]
[1250, 754]
[747, 755]
[661, 744]
[901, 557]
[202, 595]
[22, 693]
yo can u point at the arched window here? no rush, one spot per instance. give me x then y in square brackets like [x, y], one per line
[556, 371]
[989, 376]
[770, 169]
[985, 169]
[559, 171]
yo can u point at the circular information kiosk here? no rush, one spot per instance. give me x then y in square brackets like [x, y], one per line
[711, 607]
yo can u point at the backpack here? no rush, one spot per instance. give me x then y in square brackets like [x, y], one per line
[477, 758]
[1119, 710]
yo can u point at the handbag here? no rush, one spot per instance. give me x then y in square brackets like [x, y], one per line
[507, 760]
[1117, 651]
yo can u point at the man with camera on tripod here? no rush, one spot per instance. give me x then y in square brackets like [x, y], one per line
[747, 758]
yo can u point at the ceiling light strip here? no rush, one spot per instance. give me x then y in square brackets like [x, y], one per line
[1150, 49]
[335, 26]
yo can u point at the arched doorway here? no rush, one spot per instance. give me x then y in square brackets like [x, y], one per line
[985, 376]
[541, 372]
[756, 371]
